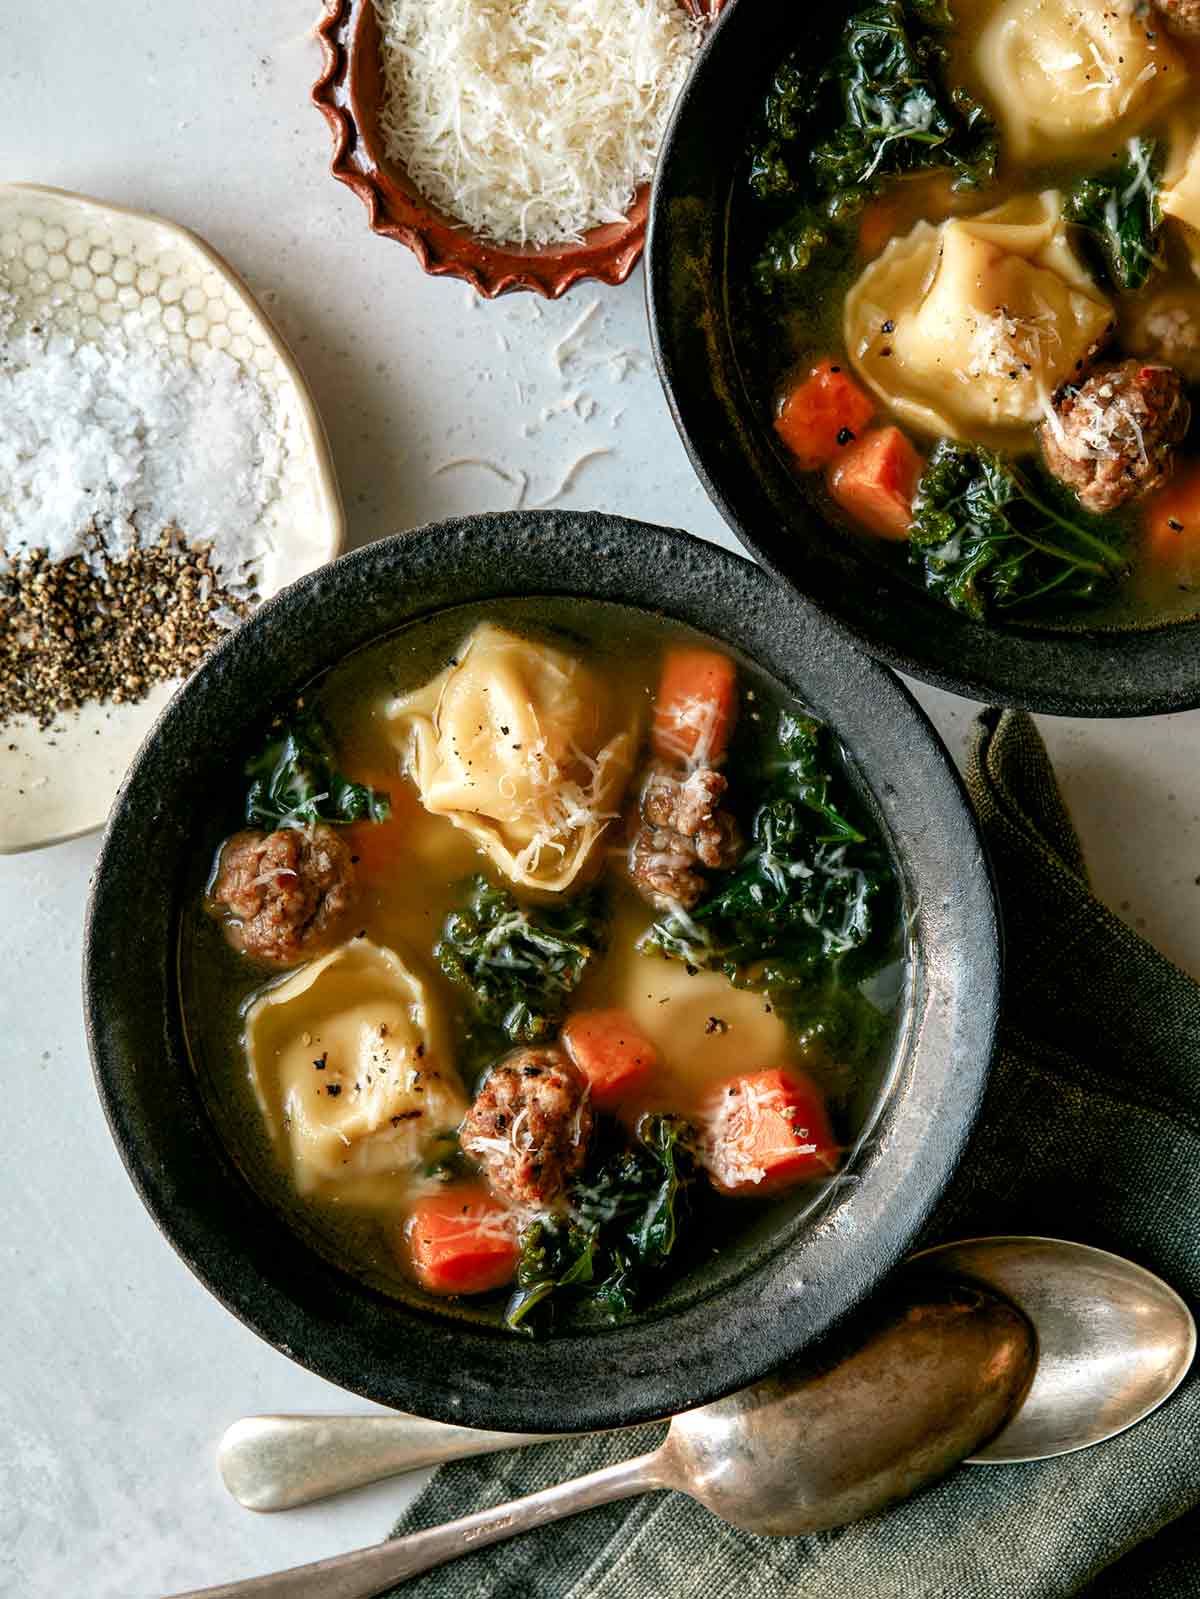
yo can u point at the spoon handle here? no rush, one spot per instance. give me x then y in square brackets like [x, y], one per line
[276, 1462]
[365, 1572]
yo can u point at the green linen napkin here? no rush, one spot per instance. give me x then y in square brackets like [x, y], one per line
[1091, 1131]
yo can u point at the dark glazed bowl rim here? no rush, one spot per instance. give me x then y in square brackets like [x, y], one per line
[435, 1366]
[1127, 672]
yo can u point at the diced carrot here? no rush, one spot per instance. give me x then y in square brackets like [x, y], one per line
[461, 1241]
[875, 481]
[823, 414]
[697, 704]
[767, 1130]
[377, 846]
[1172, 520]
[612, 1052]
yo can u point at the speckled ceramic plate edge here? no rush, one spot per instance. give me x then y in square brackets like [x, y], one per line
[327, 496]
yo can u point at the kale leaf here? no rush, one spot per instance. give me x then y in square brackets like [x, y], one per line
[787, 112]
[897, 117]
[1121, 212]
[986, 539]
[840, 1021]
[805, 248]
[882, 95]
[805, 893]
[619, 1227]
[521, 963]
[295, 783]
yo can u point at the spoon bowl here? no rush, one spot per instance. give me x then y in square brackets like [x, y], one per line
[809, 1449]
[1114, 1341]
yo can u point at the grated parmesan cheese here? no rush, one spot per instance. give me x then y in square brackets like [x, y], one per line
[531, 121]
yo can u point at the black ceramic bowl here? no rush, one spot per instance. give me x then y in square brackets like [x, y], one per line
[695, 305]
[748, 1314]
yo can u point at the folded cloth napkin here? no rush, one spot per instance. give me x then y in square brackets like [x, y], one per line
[1090, 1131]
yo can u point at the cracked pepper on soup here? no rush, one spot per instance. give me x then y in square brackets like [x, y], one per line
[549, 949]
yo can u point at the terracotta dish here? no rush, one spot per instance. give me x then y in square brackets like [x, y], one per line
[349, 93]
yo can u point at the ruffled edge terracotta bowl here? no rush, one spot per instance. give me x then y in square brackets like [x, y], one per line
[349, 93]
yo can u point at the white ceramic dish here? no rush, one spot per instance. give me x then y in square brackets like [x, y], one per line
[82, 267]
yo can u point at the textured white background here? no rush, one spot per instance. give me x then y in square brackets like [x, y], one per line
[119, 1372]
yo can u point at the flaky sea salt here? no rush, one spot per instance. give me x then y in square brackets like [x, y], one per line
[113, 441]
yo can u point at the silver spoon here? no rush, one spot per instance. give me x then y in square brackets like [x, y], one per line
[1114, 1341]
[943, 1368]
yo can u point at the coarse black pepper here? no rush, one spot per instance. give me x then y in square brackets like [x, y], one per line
[103, 627]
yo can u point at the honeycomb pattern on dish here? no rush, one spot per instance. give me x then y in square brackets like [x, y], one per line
[84, 269]
[89, 270]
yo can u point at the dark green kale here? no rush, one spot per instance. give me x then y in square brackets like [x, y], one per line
[521, 963]
[619, 1227]
[882, 95]
[295, 783]
[838, 1020]
[786, 114]
[987, 540]
[806, 247]
[806, 892]
[1120, 210]
[897, 118]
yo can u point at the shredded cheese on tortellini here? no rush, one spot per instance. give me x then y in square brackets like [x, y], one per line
[967, 329]
[517, 744]
[1064, 73]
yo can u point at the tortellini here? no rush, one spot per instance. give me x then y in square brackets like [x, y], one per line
[676, 1007]
[1181, 187]
[965, 330]
[1063, 73]
[351, 1068]
[518, 745]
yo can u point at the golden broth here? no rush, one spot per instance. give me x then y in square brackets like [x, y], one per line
[704, 1029]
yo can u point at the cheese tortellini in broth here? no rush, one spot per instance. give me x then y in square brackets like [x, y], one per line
[351, 1069]
[518, 744]
[1063, 73]
[965, 330]
[1181, 183]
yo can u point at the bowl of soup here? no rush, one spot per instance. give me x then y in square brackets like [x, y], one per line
[927, 314]
[538, 975]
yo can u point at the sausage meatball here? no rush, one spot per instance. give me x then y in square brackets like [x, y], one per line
[1181, 16]
[285, 895]
[1112, 439]
[530, 1126]
[679, 828]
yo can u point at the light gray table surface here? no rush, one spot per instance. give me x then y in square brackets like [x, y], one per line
[119, 1371]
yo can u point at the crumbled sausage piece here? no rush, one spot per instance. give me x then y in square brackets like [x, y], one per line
[530, 1126]
[680, 827]
[1113, 439]
[1182, 17]
[285, 895]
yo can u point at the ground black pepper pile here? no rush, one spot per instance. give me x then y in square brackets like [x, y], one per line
[105, 628]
